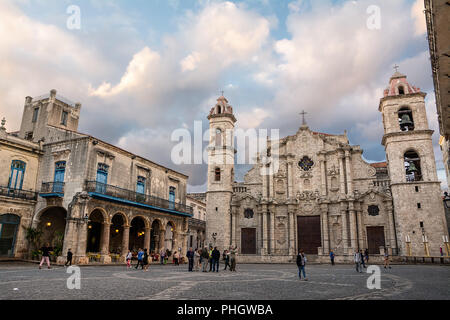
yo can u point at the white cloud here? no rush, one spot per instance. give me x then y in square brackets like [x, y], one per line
[417, 13]
[252, 118]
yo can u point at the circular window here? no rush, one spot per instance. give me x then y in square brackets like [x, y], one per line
[306, 163]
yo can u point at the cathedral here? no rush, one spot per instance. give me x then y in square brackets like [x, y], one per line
[324, 196]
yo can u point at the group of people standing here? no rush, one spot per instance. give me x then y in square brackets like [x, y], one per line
[201, 258]
[142, 259]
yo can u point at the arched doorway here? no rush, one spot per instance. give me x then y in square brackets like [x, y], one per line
[170, 228]
[52, 223]
[154, 236]
[116, 234]
[137, 234]
[9, 225]
[94, 233]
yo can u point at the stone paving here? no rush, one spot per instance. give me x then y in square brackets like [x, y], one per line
[258, 281]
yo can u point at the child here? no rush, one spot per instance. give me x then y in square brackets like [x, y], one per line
[129, 256]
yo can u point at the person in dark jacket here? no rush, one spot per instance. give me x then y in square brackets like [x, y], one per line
[145, 260]
[332, 257]
[301, 263]
[226, 258]
[190, 256]
[46, 255]
[215, 257]
[69, 258]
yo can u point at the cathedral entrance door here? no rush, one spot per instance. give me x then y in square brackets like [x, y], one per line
[375, 239]
[309, 234]
[248, 241]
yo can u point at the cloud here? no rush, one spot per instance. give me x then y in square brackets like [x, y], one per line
[417, 13]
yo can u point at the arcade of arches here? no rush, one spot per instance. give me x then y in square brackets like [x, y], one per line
[111, 232]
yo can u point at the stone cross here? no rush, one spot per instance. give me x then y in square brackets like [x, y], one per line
[303, 115]
[396, 68]
[3, 123]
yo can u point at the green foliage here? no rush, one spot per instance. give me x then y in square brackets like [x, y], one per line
[58, 242]
[33, 237]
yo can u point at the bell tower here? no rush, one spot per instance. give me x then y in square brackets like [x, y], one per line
[418, 208]
[220, 174]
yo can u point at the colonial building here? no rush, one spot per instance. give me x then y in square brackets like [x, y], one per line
[197, 224]
[323, 196]
[94, 198]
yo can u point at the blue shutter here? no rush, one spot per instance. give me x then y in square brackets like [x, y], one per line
[60, 170]
[17, 174]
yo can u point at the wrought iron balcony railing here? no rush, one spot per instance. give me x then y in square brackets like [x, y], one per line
[52, 188]
[129, 195]
[18, 194]
[193, 222]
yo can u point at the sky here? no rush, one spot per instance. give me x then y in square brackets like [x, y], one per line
[144, 68]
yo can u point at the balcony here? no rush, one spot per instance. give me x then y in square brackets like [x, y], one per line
[197, 223]
[18, 194]
[52, 189]
[113, 193]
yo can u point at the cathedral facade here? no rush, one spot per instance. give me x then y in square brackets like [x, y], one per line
[324, 196]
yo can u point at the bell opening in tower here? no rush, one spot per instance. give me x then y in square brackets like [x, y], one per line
[405, 119]
[412, 166]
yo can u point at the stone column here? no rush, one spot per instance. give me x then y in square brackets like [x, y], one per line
[264, 183]
[344, 229]
[290, 177]
[291, 216]
[361, 237]
[390, 213]
[162, 239]
[81, 245]
[104, 250]
[147, 239]
[125, 240]
[323, 176]
[352, 217]
[349, 173]
[233, 230]
[264, 232]
[271, 195]
[272, 231]
[326, 236]
[341, 175]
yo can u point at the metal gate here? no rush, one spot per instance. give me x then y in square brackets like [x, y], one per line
[309, 234]
[248, 241]
[375, 239]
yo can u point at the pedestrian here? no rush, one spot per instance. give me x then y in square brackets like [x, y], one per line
[69, 258]
[233, 252]
[366, 254]
[442, 251]
[145, 260]
[226, 257]
[301, 264]
[205, 258]
[210, 258]
[190, 256]
[361, 255]
[197, 260]
[140, 256]
[386, 259]
[215, 255]
[128, 258]
[161, 255]
[45, 255]
[166, 256]
[332, 257]
[357, 259]
[175, 258]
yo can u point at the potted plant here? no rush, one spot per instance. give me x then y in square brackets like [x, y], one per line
[33, 237]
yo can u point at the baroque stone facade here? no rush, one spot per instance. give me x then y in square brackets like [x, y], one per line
[320, 194]
[92, 197]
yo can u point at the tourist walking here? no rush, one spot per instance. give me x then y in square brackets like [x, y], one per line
[197, 260]
[128, 259]
[226, 258]
[386, 259]
[210, 258]
[366, 255]
[176, 258]
[190, 256]
[332, 257]
[140, 256]
[205, 257]
[69, 258]
[361, 255]
[301, 264]
[441, 251]
[162, 253]
[145, 260]
[357, 259]
[215, 257]
[45, 255]
[233, 252]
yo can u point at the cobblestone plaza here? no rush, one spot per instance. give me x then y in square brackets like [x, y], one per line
[250, 282]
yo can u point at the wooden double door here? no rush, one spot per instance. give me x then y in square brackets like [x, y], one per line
[248, 241]
[309, 234]
[375, 239]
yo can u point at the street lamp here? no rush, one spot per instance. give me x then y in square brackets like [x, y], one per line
[446, 200]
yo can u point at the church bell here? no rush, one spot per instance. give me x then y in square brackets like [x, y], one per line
[412, 167]
[406, 120]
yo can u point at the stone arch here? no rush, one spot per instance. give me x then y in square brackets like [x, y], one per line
[155, 233]
[138, 228]
[104, 213]
[144, 218]
[98, 220]
[170, 234]
[118, 222]
[126, 220]
[52, 223]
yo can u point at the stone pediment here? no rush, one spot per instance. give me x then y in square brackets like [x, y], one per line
[371, 194]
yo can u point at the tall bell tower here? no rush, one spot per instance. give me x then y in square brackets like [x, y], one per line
[418, 208]
[220, 174]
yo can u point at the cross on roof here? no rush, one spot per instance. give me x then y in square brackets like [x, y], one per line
[396, 68]
[303, 115]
